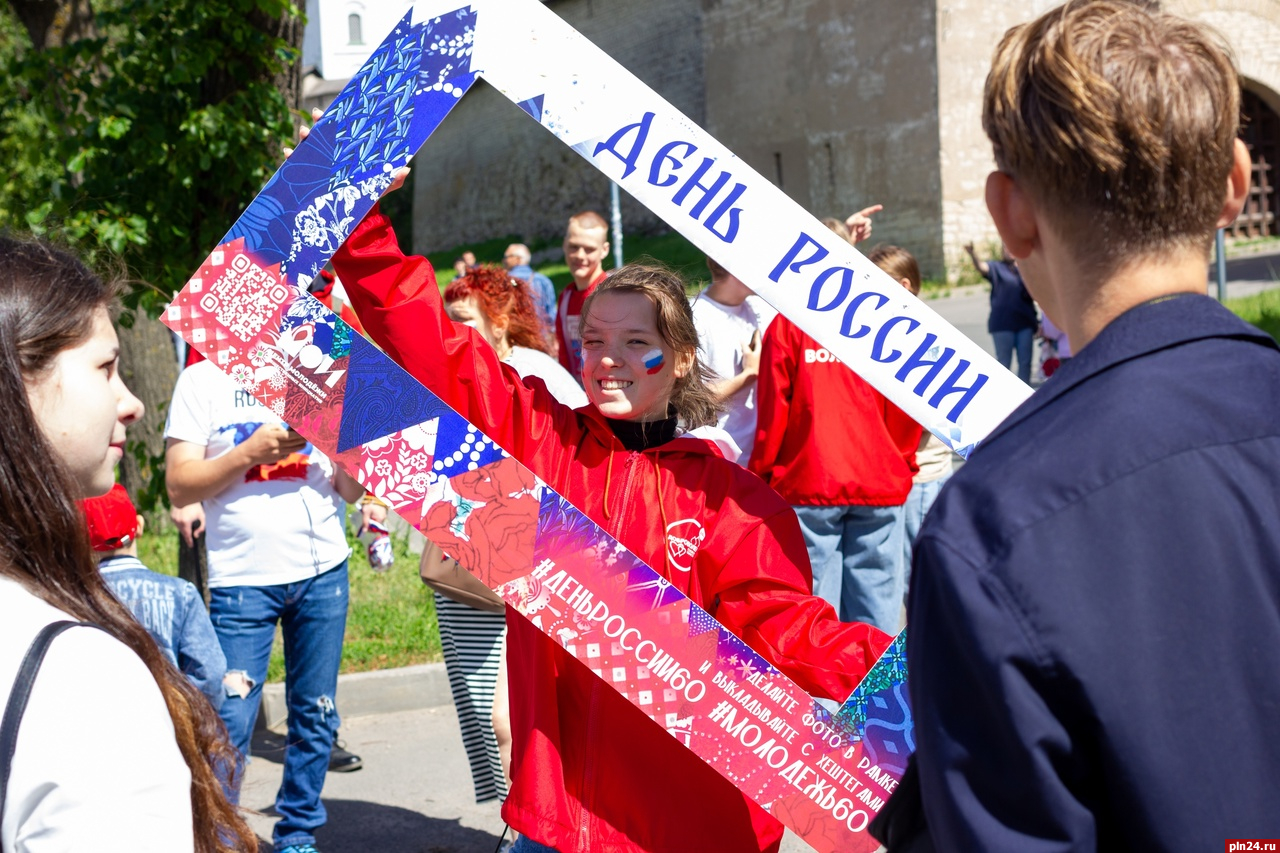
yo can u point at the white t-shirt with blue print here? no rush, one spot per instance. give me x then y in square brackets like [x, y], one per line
[281, 523]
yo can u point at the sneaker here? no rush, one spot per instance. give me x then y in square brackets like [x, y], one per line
[341, 761]
[299, 848]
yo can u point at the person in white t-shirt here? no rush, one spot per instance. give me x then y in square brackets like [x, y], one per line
[731, 323]
[113, 748]
[274, 513]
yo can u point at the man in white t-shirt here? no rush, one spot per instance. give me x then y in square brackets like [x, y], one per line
[275, 509]
[731, 322]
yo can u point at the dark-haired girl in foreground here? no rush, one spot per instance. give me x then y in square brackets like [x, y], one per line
[116, 749]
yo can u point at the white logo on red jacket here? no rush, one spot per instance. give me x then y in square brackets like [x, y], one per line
[684, 538]
[821, 356]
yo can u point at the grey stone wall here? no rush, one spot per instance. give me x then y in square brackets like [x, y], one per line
[1252, 27]
[836, 101]
[844, 103]
[968, 32]
[489, 170]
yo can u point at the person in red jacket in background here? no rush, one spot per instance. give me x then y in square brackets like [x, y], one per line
[843, 456]
[590, 771]
[586, 245]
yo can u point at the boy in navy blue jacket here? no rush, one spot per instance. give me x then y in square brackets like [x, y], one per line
[169, 608]
[1095, 604]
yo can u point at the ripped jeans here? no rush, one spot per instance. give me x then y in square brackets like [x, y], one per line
[313, 616]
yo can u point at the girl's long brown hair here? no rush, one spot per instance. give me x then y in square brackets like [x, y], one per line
[48, 300]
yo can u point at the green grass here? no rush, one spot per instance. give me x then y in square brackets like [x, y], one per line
[936, 288]
[1252, 246]
[392, 617]
[1261, 309]
[159, 552]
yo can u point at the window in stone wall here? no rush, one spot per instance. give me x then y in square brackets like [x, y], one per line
[355, 33]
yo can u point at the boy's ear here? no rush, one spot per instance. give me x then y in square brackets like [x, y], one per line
[1237, 185]
[1013, 213]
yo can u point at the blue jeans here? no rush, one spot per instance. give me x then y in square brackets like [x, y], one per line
[856, 554]
[313, 616]
[1007, 342]
[525, 844]
[913, 512]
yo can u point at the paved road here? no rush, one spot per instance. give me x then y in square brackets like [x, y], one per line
[414, 794]
[966, 308]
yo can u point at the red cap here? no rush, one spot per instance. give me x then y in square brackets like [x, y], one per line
[113, 521]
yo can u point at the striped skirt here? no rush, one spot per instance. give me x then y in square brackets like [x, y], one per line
[472, 642]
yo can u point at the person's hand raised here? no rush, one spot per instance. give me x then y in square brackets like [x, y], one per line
[859, 224]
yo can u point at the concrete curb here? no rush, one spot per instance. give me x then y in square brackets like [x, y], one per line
[408, 688]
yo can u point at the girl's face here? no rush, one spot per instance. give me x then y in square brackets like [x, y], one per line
[628, 369]
[469, 313]
[83, 407]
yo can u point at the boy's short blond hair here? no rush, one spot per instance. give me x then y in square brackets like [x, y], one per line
[1119, 120]
[588, 220]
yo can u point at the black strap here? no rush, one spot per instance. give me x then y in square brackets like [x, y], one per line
[17, 705]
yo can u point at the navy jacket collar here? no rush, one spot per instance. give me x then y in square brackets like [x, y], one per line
[1147, 328]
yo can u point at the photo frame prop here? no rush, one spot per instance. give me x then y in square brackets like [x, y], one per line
[246, 309]
[822, 775]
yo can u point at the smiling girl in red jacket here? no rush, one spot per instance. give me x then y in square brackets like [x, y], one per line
[590, 772]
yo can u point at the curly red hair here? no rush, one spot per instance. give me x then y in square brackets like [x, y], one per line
[500, 295]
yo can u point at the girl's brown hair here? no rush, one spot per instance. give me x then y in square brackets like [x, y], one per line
[897, 262]
[694, 403]
[500, 295]
[48, 301]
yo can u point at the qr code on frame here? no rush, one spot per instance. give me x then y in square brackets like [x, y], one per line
[244, 298]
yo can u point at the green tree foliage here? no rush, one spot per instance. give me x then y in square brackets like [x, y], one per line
[144, 137]
[136, 131]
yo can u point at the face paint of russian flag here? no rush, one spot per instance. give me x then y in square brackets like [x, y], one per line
[653, 361]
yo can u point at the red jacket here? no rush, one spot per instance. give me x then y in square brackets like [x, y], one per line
[568, 335]
[590, 772]
[825, 437]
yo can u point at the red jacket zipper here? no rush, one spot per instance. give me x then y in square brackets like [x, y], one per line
[588, 765]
